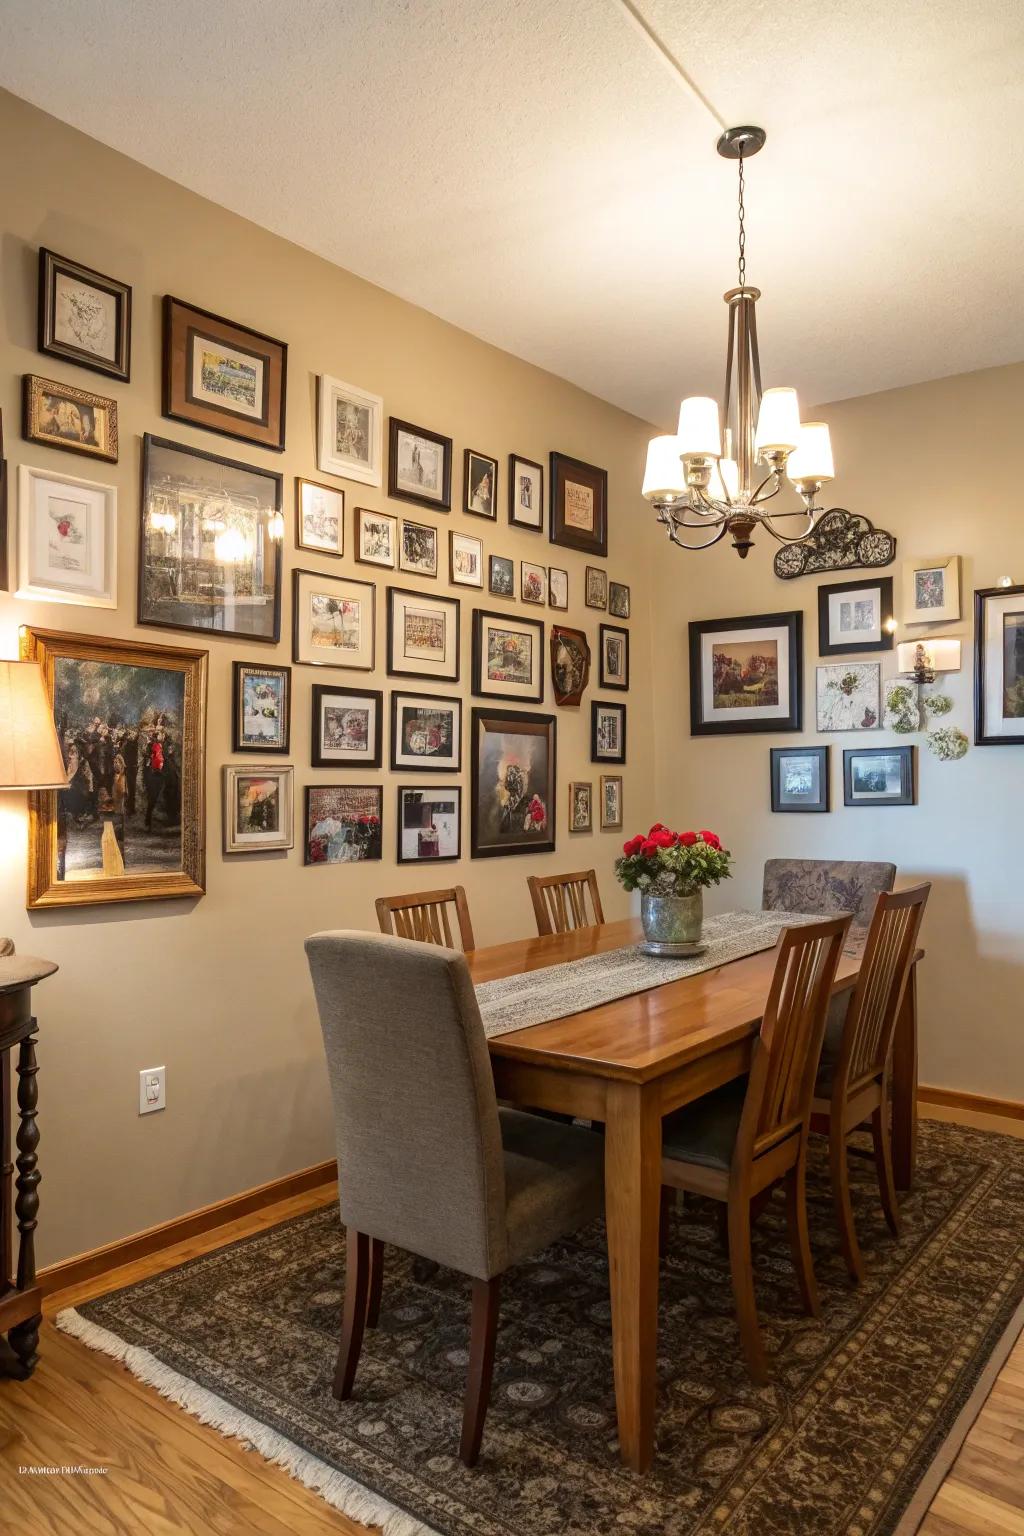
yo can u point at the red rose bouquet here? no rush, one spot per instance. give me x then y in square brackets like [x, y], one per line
[666, 863]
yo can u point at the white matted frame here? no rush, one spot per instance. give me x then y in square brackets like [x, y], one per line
[350, 431]
[931, 590]
[259, 840]
[67, 539]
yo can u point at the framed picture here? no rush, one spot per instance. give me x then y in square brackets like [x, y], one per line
[319, 517]
[596, 589]
[999, 666]
[259, 808]
[376, 538]
[429, 824]
[84, 317]
[848, 696]
[570, 664]
[4, 577]
[334, 621]
[800, 779]
[931, 590]
[480, 484]
[513, 783]
[67, 539]
[347, 727]
[209, 559]
[558, 587]
[878, 776]
[465, 560]
[581, 807]
[417, 552]
[579, 505]
[746, 674]
[423, 635]
[419, 465]
[614, 643]
[607, 732]
[262, 708]
[525, 493]
[130, 826]
[855, 616]
[611, 802]
[223, 376]
[501, 576]
[426, 732]
[343, 823]
[508, 657]
[62, 416]
[533, 582]
[618, 600]
[350, 431]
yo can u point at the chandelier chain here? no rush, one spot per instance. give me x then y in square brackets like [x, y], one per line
[743, 229]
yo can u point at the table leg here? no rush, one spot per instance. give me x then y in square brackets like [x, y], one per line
[904, 1087]
[632, 1163]
[6, 1173]
[24, 1338]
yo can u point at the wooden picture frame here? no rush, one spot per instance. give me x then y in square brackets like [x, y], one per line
[746, 674]
[350, 431]
[334, 621]
[525, 493]
[71, 419]
[893, 765]
[423, 635]
[417, 549]
[440, 841]
[618, 599]
[350, 819]
[533, 583]
[223, 376]
[558, 588]
[516, 813]
[931, 590]
[84, 316]
[613, 650]
[508, 657]
[807, 766]
[423, 726]
[319, 517]
[595, 587]
[570, 664]
[611, 802]
[260, 694]
[999, 640]
[480, 485]
[415, 473]
[855, 617]
[356, 739]
[376, 538]
[501, 576]
[581, 806]
[465, 560]
[607, 732]
[579, 505]
[57, 510]
[252, 782]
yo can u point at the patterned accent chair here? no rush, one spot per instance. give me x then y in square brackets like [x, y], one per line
[827, 886]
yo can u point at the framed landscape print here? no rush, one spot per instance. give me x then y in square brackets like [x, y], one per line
[999, 666]
[419, 465]
[350, 431]
[855, 616]
[67, 539]
[333, 621]
[878, 776]
[533, 582]
[480, 484]
[570, 663]
[343, 823]
[614, 644]
[501, 576]
[611, 802]
[62, 416]
[465, 560]
[223, 376]
[423, 635]
[84, 317]
[426, 732]
[800, 779]
[130, 719]
[931, 590]
[607, 732]
[208, 558]
[319, 517]
[508, 657]
[262, 708]
[347, 727]
[848, 696]
[417, 552]
[581, 807]
[376, 538]
[525, 493]
[579, 505]
[558, 587]
[429, 824]
[513, 783]
[259, 809]
[746, 674]
[618, 600]
[596, 588]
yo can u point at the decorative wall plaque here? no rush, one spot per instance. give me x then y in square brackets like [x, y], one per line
[841, 541]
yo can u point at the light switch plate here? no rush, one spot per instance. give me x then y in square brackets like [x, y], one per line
[152, 1090]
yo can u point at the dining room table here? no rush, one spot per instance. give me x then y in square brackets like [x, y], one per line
[627, 1064]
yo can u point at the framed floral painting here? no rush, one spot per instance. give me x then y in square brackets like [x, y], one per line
[848, 696]
[513, 783]
[67, 539]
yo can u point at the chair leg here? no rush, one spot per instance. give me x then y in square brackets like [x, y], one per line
[741, 1266]
[357, 1285]
[483, 1331]
[883, 1166]
[796, 1214]
[668, 1200]
[841, 1195]
[376, 1282]
[722, 1223]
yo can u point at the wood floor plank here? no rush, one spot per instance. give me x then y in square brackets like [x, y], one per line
[965, 1510]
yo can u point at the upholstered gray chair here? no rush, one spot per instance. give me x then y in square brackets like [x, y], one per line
[827, 886]
[426, 1160]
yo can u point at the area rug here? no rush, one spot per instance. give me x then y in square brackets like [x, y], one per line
[859, 1407]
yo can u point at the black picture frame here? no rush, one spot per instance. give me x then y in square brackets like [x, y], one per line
[51, 265]
[793, 623]
[619, 599]
[828, 647]
[604, 681]
[908, 777]
[518, 522]
[338, 581]
[316, 746]
[983, 738]
[4, 532]
[595, 707]
[521, 722]
[468, 457]
[374, 838]
[428, 599]
[480, 615]
[561, 531]
[428, 789]
[443, 503]
[183, 325]
[823, 804]
[238, 741]
[504, 561]
[451, 765]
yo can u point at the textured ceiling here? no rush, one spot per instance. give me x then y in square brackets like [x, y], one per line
[536, 172]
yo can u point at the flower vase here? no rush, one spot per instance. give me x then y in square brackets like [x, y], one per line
[673, 920]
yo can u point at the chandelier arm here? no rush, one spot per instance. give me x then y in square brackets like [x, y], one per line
[755, 356]
[767, 524]
[714, 512]
[673, 534]
[731, 348]
[772, 478]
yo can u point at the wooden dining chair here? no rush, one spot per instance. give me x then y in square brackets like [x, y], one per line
[736, 1143]
[424, 915]
[852, 1083]
[560, 901]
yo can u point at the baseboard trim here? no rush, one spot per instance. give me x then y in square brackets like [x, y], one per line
[949, 1098]
[126, 1250]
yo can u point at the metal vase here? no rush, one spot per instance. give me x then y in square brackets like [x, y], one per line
[673, 919]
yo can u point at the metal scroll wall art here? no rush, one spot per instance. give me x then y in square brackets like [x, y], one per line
[839, 541]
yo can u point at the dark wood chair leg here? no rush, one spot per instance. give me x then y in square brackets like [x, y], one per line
[841, 1195]
[722, 1223]
[883, 1167]
[353, 1320]
[668, 1201]
[376, 1282]
[741, 1265]
[483, 1331]
[796, 1214]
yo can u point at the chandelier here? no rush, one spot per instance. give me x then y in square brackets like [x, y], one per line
[702, 491]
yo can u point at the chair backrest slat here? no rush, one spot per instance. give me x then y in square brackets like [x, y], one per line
[560, 901]
[874, 1008]
[425, 916]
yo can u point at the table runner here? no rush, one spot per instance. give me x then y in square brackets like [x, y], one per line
[536, 997]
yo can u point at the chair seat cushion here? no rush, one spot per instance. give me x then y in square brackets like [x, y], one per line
[554, 1180]
[704, 1132]
[829, 1060]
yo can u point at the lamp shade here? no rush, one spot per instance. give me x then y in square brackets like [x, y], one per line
[699, 432]
[811, 459]
[778, 422]
[664, 477]
[30, 756]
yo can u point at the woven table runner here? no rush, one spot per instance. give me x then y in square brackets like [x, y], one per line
[535, 997]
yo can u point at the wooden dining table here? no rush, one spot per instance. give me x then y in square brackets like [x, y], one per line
[629, 1063]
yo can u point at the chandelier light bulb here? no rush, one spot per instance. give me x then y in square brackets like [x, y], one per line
[811, 459]
[778, 422]
[230, 546]
[724, 484]
[699, 433]
[664, 477]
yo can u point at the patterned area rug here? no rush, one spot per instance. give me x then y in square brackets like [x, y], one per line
[858, 1407]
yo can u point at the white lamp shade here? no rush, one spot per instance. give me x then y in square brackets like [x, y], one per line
[778, 421]
[699, 432]
[811, 459]
[725, 480]
[30, 757]
[664, 476]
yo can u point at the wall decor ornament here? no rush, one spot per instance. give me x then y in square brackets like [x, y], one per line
[419, 465]
[423, 635]
[350, 431]
[607, 732]
[579, 505]
[259, 808]
[931, 590]
[333, 621]
[948, 743]
[67, 539]
[570, 663]
[319, 517]
[525, 493]
[581, 807]
[347, 727]
[426, 732]
[429, 824]
[508, 657]
[261, 708]
[999, 666]
[902, 709]
[223, 376]
[848, 696]
[879, 776]
[611, 802]
[480, 484]
[840, 541]
[746, 674]
[800, 779]
[343, 823]
[855, 616]
[84, 317]
[513, 783]
[63, 416]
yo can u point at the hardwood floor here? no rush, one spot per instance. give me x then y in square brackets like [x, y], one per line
[166, 1473]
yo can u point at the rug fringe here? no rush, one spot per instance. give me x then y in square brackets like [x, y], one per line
[337, 1489]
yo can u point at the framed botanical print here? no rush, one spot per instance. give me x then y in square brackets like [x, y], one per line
[746, 674]
[480, 484]
[579, 505]
[878, 776]
[419, 465]
[223, 376]
[855, 616]
[595, 592]
[417, 552]
[350, 431]
[513, 783]
[525, 493]
[465, 560]
[618, 600]
[508, 657]
[533, 582]
[800, 779]
[429, 824]
[570, 663]
[423, 635]
[67, 539]
[259, 809]
[343, 823]
[333, 623]
[581, 807]
[848, 696]
[376, 538]
[614, 644]
[426, 732]
[84, 317]
[76, 420]
[347, 727]
[999, 666]
[209, 553]
[501, 576]
[558, 587]
[130, 719]
[607, 732]
[611, 802]
[319, 517]
[931, 590]
[262, 708]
